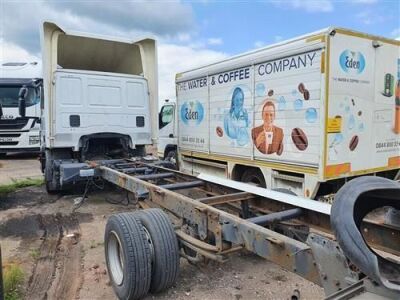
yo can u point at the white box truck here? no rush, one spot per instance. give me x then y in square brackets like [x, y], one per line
[100, 100]
[20, 133]
[303, 115]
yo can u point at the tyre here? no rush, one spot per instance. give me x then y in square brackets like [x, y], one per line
[163, 246]
[172, 158]
[127, 256]
[49, 176]
[253, 176]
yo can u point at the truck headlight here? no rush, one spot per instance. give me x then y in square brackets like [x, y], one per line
[34, 139]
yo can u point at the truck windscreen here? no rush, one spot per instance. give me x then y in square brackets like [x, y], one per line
[9, 96]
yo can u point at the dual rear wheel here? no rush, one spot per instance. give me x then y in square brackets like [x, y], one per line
[142, 253]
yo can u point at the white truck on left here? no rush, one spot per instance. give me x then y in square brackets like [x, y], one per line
[100, 101]
[20, 133]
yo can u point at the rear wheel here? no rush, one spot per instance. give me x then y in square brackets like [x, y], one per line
[253, 176]
[128, 256]
[164, 248]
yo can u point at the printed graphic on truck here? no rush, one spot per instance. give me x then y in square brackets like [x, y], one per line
[236, 120]
[362, 132]
[267, 137]
[278, 119]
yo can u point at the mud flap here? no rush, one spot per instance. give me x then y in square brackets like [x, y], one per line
[352, 203]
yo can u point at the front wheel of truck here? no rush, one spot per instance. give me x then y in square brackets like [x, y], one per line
[49, 175]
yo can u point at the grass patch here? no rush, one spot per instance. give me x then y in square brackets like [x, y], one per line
[17, 184]
[13, 278]
[34, 253]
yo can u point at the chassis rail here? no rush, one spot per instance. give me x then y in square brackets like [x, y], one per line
[213, 220]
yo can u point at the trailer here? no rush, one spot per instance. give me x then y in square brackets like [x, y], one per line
[342, 248]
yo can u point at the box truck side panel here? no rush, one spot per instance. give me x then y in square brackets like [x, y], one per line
[270, 110]
[231, 112]
[193, 114]
[288, 105]
[361, 128]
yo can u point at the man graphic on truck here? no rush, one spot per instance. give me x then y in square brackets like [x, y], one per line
[267, 137]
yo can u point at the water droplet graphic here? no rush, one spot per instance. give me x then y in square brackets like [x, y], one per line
[338, 138]
[311, 115]
[361, 127]
[352, 122]
[347, 109]
[260, 89]
[298, 104]
[281, 103]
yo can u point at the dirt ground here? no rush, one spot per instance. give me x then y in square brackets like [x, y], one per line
[62, 254]
[18, 167]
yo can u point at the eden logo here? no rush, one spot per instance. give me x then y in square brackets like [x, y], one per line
[192, 112]
[352, 62]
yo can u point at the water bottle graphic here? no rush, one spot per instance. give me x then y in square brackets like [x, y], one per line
[388, 85]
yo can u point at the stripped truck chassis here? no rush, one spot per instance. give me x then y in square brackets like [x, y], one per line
[211, 221]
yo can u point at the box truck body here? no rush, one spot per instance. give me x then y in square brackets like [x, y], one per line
[315, 109]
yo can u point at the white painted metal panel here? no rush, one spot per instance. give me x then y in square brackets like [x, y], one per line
[301, 202]
[103, 102]
[193, 114]
[363, 83]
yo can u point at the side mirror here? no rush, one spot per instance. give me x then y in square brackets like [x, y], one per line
[23, 92]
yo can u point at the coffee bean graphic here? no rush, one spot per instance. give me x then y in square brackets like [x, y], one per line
[306, 95]
[299, 139]
[270, 93]
[219, 131]
[301, 88]
[353, 143]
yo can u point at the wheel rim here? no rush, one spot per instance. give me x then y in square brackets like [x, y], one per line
[115, 258]
[150, 242]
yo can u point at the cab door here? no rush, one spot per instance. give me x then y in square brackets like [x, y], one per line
[166, 125]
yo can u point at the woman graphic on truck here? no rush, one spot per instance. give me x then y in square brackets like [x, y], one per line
[267, 137]
[236, 120]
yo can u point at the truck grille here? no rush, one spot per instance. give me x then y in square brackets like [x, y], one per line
[7, 139]
[17, 123]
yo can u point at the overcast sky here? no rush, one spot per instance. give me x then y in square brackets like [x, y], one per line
[190, 34]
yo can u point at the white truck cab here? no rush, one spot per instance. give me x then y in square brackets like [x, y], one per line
[20, 133]
[100, 102]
